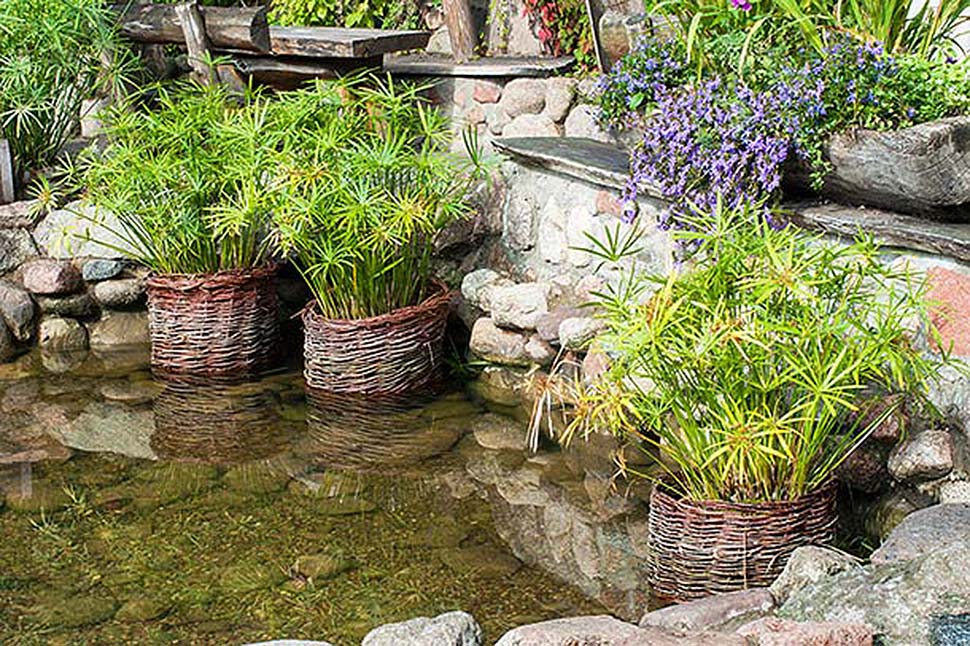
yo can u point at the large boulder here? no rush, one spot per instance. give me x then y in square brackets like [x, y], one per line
[807, 566]
[602, 630]
[924, 532]
[900, 600]
[450, 629]
[109, 427]
[717, 612]
[523, 96]
[78, 230]
[495, 345]
[925, 456]
[773, 631]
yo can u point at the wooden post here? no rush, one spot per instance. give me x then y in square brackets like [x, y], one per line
[238, 28]
[458, 17]
[193, 28]
[7, 186]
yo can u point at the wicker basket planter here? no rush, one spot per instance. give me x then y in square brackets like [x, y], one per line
[393, 353]
[214, 324]
[702, 548]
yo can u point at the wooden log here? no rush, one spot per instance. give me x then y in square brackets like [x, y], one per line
[242, 28]
[7, 184]
[461, 30]
[193, 30]
[923, 170]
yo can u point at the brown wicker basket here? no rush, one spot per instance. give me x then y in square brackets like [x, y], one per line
[399, 352]
[214, 324]
[702, 548]
[215, 423]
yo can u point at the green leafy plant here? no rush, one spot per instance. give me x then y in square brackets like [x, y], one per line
[390, 14]
[188, 177]
[367, 183]
[53, 55]
[742, 367]
[563, 28]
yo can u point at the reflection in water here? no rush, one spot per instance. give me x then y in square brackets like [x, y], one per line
[198, 420]
[365, 433]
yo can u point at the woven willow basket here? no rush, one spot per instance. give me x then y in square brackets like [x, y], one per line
[702, 548]
[214, 324]
[399, 352]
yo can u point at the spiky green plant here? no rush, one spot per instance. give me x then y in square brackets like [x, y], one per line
[53, 55]
[743, 367]
[188, 177]
[367, 184]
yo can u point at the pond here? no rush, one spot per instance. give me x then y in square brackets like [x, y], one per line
[147, 510]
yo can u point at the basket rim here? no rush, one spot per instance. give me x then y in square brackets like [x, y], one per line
[661, 490]
[177, 280]
[311, 311]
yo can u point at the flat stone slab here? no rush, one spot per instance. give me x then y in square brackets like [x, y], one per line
[489, 67]
[890, 229]
[339, 42]
[585, 159]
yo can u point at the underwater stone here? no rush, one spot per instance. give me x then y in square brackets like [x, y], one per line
[318, 567]
[110, 427]
[443, 531]
[450, 629]
[62, 335]
[249, 577]
[485, 561]
[75, 611]
[101, 269]
[140, 609]
[120, 329]
[344, 506]
[255, 478]
[42, 496]
[132, 392]
[498, 432]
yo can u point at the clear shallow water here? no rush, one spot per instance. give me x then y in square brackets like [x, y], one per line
[146, 511]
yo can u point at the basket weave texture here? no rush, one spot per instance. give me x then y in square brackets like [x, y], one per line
[214, 324]
[398, 352]
[210, 422]
[702, 548]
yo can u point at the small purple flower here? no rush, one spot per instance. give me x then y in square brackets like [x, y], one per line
[743, 5]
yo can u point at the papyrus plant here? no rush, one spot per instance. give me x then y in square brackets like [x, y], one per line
[742, 367]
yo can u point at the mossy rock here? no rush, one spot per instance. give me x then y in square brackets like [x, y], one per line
[168, 482]
[139, 609]
[329, 484]
[293, 412]
[255, 479]
[488, 562]
[75, 611]
[319, 567]
[249, 577]
[44, 496]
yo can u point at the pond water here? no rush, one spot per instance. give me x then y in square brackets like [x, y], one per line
[140, 510]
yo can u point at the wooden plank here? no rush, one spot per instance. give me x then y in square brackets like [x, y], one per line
[193, 29]
[240, 28]
[7, 185]
[461, 32]
[333, 42]
[284, 73]
[491, 67]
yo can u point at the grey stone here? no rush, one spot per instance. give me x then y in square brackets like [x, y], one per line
[19, 215]
[548, 325]
[496, 345]
[576, 333]
[51, 277]
[101, 269]
[603, 630]
[502, 385]
[924, 532]
[450, 629]
[774, 631]
[80, 230]
[499, 433]
[539, 351]
[531, 125]
[119, 329]
[120, 293]
[80, 305]
[290, 642]
[807, 566]
[523, 96]
[518, 306]
[16, 246]
[560, 93]
[440, 42]
[91, 112]
[132, 392]
[109, 427]
[17, 310]
[476, 287]
[62, 335]
[717, 612]
[480, 560]
[954, 491]
[897, 599]
[582, 123]
[926, 456]
[496, 118]
[519, 222]
[890, 510]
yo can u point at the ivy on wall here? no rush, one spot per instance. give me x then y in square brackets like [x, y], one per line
[563, 28]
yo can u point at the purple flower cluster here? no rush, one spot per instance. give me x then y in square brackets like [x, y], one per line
[720, 139]
[639, 79]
